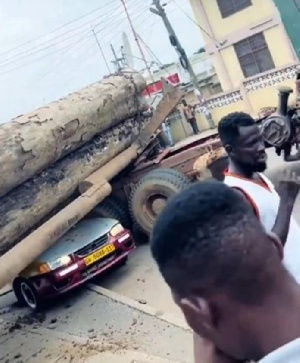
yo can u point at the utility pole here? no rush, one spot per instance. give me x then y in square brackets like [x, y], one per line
[116, 61]
[101, 50]
[137, 41]
[184, 61]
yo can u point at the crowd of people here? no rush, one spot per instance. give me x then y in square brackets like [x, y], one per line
[229, 249]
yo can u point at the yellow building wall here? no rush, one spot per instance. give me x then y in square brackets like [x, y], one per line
[279, 47]
[280, 54]
[232, 65]
[220, 73]
[222, 27]
[268, 97]
[219, 112]
[179, 130]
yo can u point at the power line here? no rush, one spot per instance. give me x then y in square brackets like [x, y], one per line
[35, 49]
[105, 27]
[37, 59]
[101, 50]
[136, 38]
[150, 51]
[66, 48]
[142, 11]
[79, 46]
[56, 29]
[191, 19]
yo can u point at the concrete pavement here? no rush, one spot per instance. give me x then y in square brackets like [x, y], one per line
[88, 325]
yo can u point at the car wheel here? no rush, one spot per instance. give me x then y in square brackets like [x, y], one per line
[26, 294]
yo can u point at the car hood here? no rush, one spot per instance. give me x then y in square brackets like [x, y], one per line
[77, 237]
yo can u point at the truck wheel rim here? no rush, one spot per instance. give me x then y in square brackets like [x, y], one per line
[28, 295]
[154, 205]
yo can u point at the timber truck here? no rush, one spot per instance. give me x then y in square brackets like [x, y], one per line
[133, 186]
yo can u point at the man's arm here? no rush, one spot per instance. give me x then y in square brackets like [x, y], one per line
[287, 154]
[283, 218]
[288, 190]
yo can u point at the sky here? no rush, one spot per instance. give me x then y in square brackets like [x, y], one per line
[47, 48]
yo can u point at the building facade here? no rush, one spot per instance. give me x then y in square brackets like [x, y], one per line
[250, 50]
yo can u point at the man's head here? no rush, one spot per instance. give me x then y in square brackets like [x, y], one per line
[217, 163]
[243, 142]
[184, 102]
[219, 263]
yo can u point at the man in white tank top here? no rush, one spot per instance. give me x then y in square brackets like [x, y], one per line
[242, 140]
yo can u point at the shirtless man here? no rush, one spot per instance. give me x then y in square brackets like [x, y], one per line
[189, 113]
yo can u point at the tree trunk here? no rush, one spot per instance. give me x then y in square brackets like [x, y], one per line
[25, 206]
[32, 142]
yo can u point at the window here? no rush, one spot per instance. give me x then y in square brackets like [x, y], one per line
[254, 55]
[230, 7]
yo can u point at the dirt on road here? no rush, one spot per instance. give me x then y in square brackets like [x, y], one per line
[87, 324]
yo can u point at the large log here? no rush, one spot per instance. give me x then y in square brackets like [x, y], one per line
[32, 142]
[25, 206]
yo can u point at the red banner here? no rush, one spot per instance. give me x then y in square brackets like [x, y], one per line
[157, 86]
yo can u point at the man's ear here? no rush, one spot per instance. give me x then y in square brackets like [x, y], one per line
[275, 240]
[228, 148]
[198, 315]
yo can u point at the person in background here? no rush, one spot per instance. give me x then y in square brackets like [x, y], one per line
[166, 127]
[211, 165]
[226, 274]
[189, 114]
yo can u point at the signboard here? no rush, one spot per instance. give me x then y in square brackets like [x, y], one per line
[156, 87]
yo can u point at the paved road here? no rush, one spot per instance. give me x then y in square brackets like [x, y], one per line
[89, 325]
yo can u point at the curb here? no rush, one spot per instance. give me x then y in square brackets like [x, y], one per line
[149, 310]
[6, 290]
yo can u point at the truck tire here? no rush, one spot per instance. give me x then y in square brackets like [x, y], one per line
[150, 195]
[113, 207]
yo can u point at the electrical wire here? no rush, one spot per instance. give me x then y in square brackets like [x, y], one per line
[82, 44]
[31, 51]
[65, 47]
[56, 29]
[150, 51]
[135, 17]
[193, 21]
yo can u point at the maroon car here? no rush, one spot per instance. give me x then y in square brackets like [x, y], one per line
[88, 249]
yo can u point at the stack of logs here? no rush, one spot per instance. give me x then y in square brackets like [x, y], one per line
[47, 153]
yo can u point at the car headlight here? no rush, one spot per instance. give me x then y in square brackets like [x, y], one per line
[59, 262]
[117, 229]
